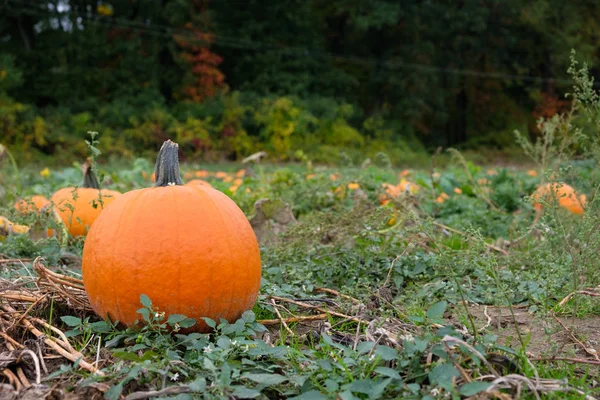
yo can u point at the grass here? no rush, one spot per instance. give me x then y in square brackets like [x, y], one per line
[415, 282]
[448, 291]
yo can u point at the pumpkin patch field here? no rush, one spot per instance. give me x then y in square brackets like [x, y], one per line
[257, 280]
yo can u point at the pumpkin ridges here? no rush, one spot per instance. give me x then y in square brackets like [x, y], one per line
[81, 201]
[232, 210]
[203, 242]
[195, 237]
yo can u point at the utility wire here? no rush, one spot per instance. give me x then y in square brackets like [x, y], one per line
[168, 32]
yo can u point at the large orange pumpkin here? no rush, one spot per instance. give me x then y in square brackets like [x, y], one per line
[189, 248]
[31, 204]
[566, 196]
[199, 182]
[78, 208]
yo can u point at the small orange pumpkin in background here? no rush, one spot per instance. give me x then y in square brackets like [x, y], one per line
[198, 182]
[78, 208]
[566, 196]
[189, 248]
[31, 204]
[391, 192]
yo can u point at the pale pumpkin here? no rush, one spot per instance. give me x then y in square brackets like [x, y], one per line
[188, 247]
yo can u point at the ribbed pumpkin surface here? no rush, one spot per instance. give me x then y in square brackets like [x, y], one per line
[189, 248]
[79, 208]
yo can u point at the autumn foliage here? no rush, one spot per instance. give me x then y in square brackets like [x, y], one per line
[204, 79]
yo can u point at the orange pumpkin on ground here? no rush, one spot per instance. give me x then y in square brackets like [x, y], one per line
[198, 182]
[566, 196]
[391, 192]
[78, 208]
[189, 248]
[31, 204]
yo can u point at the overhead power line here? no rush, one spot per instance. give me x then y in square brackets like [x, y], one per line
[224, 41]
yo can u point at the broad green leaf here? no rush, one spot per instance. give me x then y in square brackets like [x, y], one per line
[175, 319]
[386, 353]
[389, 372]
[442, 374]
[210, 322]
[71, 321]
[266, 379]
[437, 310]
[310, 395]
[472, 388]
[199, 385]
[145, 300]
[241, 392]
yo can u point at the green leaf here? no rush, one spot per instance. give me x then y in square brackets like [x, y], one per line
[472, 388]
[126, 355]
[187, 323]
[114, 392]
[101, 327]
[386, 353]
[364, 347]
[241, 392]
[148, 355]
[73, 333]
[310, 395]
[224, 342]
[266, 379]
[145, 313]
[442, 374]
[175, 319]
[437, 310]
[389, 372]
[145, 300]
[210, 322]
[364, 386]
[199, 385]
[71, 321]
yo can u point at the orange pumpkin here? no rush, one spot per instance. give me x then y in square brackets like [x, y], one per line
[198, 182]
[78, 208]
[31, 204]
[187, 247]
[391, 192]
[566, 196]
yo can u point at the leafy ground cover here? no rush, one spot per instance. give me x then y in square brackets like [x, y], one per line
[377, 283]
[439, 287]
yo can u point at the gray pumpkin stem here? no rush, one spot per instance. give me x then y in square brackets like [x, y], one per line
[166, 171]
[89, 178]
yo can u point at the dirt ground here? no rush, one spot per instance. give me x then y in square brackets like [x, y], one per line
[546, 336]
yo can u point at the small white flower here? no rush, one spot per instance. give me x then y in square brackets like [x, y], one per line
[435, 392]
[408, 337]
[176, 328]
[304, 288]
[207, 349]
[371, 357]
[234, 342]
[175, 377]
[245, 348]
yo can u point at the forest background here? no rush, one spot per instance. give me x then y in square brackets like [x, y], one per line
[317, 79]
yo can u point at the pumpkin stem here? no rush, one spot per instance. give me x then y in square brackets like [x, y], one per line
[89, 178]
[166, 171]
